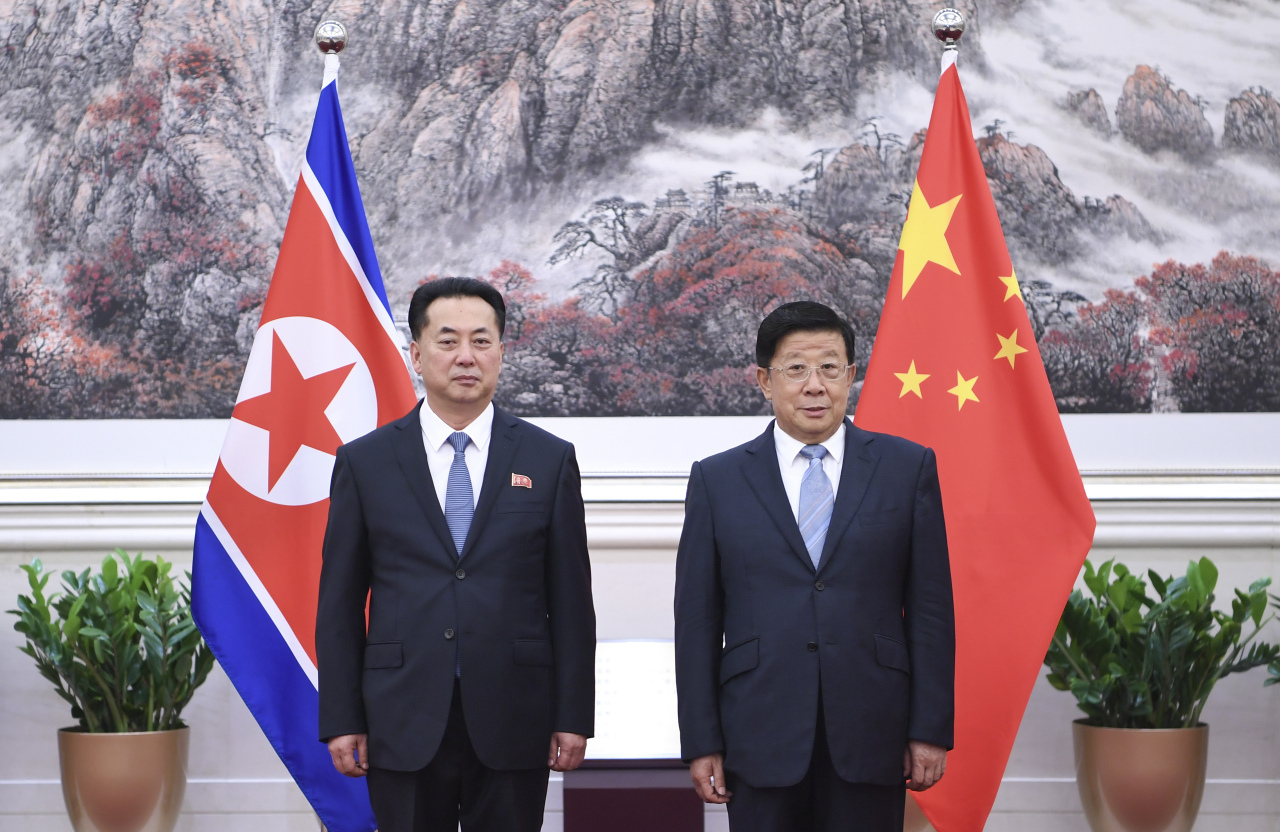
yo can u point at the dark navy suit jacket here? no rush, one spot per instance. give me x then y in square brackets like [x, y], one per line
[759, 631]
[516, 606]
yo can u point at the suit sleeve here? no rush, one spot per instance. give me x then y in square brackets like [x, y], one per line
[572, 612]
[699, 626]
[340, 621]
[929, 616]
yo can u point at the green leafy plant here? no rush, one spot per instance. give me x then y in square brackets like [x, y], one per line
[1133, 661]
[1273, 669]
[120, 645]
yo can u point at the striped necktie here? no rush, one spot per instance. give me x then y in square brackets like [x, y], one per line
[817, 501]
[459, 499]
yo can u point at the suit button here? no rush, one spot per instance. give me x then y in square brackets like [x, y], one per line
[461, 573]
[449, 634]
[813, 646]
[819, 586]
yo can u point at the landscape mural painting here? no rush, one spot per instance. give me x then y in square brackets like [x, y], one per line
[643, 179]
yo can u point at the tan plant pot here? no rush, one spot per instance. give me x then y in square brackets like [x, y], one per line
[1140, 779]
[913, 820]
[123, 782]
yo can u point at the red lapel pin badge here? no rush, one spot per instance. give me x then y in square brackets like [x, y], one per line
[521, 480]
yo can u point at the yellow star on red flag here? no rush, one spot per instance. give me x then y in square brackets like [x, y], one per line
[924, 237]
[1009, 347]
[963, 391]
[1011, 287]
[911, 381]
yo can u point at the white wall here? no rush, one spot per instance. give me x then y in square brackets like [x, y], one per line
[1165, 489]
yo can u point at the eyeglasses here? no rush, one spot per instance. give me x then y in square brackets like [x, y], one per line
[800, 372]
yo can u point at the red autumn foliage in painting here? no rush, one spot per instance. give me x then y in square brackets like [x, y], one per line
[98, 291]
[1200, 338]
[127, 123]
[148, 313]
[1217, 329]
[683, 340]
[1099, 361]
[199, 67]
[154, 314]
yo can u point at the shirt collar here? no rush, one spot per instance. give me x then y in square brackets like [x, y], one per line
[789, 447]
[437, 432]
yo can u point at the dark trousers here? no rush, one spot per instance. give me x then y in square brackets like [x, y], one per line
[821, 802]
[456, 787]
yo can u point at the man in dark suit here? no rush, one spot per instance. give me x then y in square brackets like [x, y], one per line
[464, 528]
[815, 645]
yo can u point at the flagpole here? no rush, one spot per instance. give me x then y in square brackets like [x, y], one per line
[948, 26]
[331, 38]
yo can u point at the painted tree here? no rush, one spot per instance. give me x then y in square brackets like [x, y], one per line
[627, 234]
[553, 350]
[1096, 357]
[1220, 329]
[685, 343]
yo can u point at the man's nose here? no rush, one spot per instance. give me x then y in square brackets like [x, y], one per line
[813, 384]
[464, 357]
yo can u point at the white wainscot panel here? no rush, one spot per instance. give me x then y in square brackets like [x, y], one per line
[1165, 489]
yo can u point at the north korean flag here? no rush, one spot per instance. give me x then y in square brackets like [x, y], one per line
[327, 366]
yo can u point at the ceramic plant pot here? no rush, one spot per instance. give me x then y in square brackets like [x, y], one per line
[1140, 779]
[123, 782]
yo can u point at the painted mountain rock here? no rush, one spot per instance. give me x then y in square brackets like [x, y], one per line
[1154, 116]
[1252, 123]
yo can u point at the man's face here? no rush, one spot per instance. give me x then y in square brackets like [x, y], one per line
[810, 410]
[458, 353]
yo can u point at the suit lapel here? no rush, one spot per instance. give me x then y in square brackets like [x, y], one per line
[411, 455]
[503, 442]
[765, 479]
[855, 477]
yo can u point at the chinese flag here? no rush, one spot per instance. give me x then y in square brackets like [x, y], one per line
[955, 367]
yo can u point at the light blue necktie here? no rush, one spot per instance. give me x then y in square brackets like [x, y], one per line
[816, 502]
[459, 508]
[459, 499]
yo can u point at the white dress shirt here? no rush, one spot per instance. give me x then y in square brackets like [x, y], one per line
[793, 465]
[435, 436]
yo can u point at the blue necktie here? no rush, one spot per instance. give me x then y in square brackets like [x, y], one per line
[817, 500]
[459, 499]
[459, 508]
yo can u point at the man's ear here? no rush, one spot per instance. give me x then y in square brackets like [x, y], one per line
[415, 357]
[765, 382]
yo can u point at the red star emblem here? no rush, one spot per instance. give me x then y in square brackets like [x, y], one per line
[293, 410]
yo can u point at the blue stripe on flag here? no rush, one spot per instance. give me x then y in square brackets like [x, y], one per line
[329, 156]
[268, 678]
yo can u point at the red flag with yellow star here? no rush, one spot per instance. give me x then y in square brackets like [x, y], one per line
[955, 367]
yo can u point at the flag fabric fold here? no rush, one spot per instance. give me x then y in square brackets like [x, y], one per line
[326, 367]
[955, 366]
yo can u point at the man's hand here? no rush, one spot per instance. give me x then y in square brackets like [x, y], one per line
[708, 779]
[923, 765]
[567, 751]
[350, 754]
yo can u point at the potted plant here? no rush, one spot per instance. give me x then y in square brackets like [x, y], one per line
[1273, 669]
[1141, 669]
[122, 648]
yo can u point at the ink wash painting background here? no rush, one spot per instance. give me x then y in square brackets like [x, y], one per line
[644, 179]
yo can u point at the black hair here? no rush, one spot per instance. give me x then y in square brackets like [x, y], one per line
[454, 287]
[799, 316]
